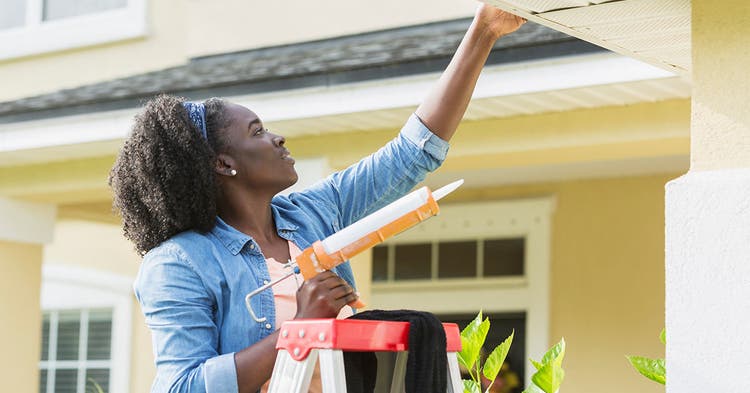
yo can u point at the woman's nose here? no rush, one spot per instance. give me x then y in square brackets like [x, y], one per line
[279, 140]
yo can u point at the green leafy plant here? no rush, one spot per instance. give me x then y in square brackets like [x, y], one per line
[472, 340]
[547, 378]
[549, 372]
[653, 369]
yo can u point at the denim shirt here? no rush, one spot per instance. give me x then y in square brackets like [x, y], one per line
[192, 287]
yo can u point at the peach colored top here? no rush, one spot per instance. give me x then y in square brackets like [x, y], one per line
[285, 302]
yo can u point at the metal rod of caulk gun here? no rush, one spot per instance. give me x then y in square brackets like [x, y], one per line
[294, 271]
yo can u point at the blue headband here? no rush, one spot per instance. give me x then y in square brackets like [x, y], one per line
[197, 113]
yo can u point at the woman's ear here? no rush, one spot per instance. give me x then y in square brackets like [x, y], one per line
[225, 165]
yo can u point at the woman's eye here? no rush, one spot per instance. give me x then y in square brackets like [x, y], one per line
[259, 131]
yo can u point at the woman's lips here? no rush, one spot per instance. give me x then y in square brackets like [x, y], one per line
[287, 157]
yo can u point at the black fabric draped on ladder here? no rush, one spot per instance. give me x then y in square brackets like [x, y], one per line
[426, 365]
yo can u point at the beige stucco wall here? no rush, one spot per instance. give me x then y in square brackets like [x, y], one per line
[20, 278]
[92, 246]
[239, 24]
[720, 119]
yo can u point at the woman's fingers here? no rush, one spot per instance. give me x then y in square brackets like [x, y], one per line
[341, 292]
[323, 296]
[332, 281]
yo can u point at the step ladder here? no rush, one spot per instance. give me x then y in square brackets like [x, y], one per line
[302, 342]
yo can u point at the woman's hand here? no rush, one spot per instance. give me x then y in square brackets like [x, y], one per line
[445, 105]
[496, 21]
[323, 296]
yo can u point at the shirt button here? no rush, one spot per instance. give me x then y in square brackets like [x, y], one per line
[265, 282]
[252, 246]
[268, 326]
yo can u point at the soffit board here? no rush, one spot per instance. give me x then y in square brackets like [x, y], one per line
[654, 31]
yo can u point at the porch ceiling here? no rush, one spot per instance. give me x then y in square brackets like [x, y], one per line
[655, 31]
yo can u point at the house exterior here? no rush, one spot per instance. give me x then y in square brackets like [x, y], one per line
[557, 232]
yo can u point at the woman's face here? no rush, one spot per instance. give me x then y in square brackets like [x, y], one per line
[258, 156]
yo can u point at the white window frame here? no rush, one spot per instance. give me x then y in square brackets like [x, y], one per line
[528, 218]
[65, 287]
[38, 36]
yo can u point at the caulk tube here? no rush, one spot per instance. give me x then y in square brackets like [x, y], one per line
[375, 221]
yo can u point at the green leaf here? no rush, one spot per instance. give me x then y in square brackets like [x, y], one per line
[549, 377]
[472, 339]
[555, 354]
[536, 364]
[653, 369]
[663, 336]
[465, 351]
[495, 361]
[471, 386]
[473, 325]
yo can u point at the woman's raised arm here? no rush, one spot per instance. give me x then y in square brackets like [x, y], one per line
[444, 106]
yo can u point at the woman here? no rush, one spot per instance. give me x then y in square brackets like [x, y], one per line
[196, 186]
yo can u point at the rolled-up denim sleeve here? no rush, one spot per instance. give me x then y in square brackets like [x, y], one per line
[383, 176]
[179, 312]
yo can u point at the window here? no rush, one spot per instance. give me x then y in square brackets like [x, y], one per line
[489, 256]
[30, 27]
[61, 9]
[76, 351]
[86, 330]
[443, 260]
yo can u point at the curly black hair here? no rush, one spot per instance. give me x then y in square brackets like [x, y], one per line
[163, 179]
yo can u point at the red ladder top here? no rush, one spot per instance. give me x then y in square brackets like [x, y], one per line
[298, 337]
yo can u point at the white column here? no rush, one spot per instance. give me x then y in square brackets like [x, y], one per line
[708, 282]
[708, 213]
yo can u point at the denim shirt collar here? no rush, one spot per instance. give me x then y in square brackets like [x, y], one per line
[235, 240]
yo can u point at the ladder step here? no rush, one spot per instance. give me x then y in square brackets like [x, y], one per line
[302, 342]
[298, 337]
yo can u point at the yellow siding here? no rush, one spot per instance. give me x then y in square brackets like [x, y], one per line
[20, 330]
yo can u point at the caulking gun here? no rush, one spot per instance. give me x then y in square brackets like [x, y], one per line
[366, 233]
